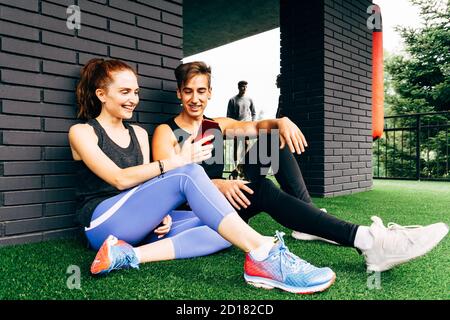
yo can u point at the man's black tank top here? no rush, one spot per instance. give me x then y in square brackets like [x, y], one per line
[91, 190]
[213, 170]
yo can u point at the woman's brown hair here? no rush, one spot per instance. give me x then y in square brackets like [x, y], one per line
[95, 74]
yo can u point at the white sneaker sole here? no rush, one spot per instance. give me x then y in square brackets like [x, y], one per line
[268, 284]
[309, 237]
[389, 264]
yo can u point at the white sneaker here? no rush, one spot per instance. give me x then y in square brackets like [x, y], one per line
[397, 244]
[309, 237]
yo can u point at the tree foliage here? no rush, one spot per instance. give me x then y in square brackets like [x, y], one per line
[421, 78]
[418, 82]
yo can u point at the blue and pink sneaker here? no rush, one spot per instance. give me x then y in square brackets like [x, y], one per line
[114, 254]
[284, 270]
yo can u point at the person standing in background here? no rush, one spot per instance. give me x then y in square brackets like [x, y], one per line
[241, 108]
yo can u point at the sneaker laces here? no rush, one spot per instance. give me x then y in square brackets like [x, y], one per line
[394, 226]
[403, 229]
[288, 259]
[398, 231]
[123, 257]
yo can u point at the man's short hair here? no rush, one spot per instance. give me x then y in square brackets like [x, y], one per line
[184, 72]
[242, 83]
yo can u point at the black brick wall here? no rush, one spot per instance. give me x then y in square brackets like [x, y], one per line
[40, 59]
[326, 89]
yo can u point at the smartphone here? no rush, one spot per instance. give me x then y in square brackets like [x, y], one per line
[205, 126]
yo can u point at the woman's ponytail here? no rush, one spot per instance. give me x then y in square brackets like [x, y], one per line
[94, 75]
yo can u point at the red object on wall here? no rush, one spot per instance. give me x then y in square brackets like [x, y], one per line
[377, 80]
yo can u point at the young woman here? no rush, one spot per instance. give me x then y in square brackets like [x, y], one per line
[122, 195]
[291, 206]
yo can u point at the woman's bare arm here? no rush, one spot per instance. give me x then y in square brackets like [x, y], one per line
[83, 142]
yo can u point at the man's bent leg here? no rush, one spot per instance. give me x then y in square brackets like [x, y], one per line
[288, 175]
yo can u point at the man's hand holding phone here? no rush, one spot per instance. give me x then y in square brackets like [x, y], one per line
[206, 128]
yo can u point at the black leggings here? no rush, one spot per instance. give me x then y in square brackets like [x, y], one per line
[291, 206]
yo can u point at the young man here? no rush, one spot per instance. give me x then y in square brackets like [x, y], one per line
[383, 248]
[240, 108]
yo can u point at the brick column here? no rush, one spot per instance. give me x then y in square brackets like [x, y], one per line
[326, 89]
[40, 60]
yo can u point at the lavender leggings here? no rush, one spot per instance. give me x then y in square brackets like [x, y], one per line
[133, 214]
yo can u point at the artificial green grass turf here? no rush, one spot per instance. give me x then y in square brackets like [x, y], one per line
[38, 271]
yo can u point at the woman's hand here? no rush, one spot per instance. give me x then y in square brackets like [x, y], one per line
[196, 152]
[165, 228]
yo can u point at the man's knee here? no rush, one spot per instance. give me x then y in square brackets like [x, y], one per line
[267, 185]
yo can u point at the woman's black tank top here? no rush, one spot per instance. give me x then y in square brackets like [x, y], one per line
[91, 190]
[213, 170]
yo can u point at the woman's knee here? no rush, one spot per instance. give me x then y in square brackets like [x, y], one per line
[194, 170]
